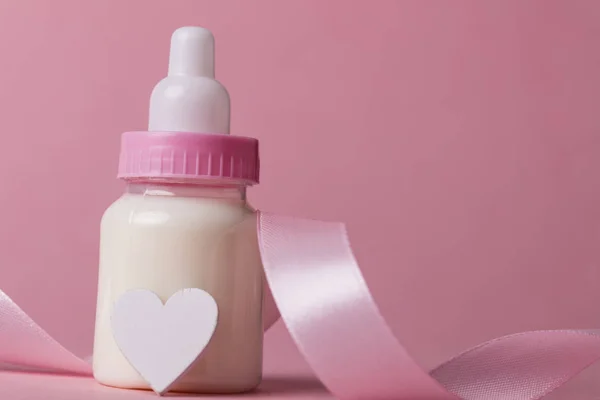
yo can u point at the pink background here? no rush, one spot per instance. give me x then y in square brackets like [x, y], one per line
[459, 141]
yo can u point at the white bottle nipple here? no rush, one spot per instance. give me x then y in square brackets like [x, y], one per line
[192, 53]
[189, 99]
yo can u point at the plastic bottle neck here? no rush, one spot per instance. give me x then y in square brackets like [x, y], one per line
[221, 192]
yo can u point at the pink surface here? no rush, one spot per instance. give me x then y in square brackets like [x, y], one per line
[470, 149]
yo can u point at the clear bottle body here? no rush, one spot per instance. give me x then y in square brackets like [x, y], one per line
[165, 238]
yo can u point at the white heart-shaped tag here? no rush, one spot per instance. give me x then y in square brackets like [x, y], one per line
[162, 341]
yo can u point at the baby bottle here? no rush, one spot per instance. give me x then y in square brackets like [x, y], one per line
[183, 222]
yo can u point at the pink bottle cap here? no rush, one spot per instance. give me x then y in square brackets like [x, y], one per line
[185, 156]
[183, 105]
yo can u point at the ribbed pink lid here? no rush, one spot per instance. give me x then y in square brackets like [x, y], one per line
[189, 156]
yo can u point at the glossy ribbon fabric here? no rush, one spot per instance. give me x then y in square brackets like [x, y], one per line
[342, 335]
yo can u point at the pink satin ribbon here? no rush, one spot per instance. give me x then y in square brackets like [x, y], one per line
[342, 335]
